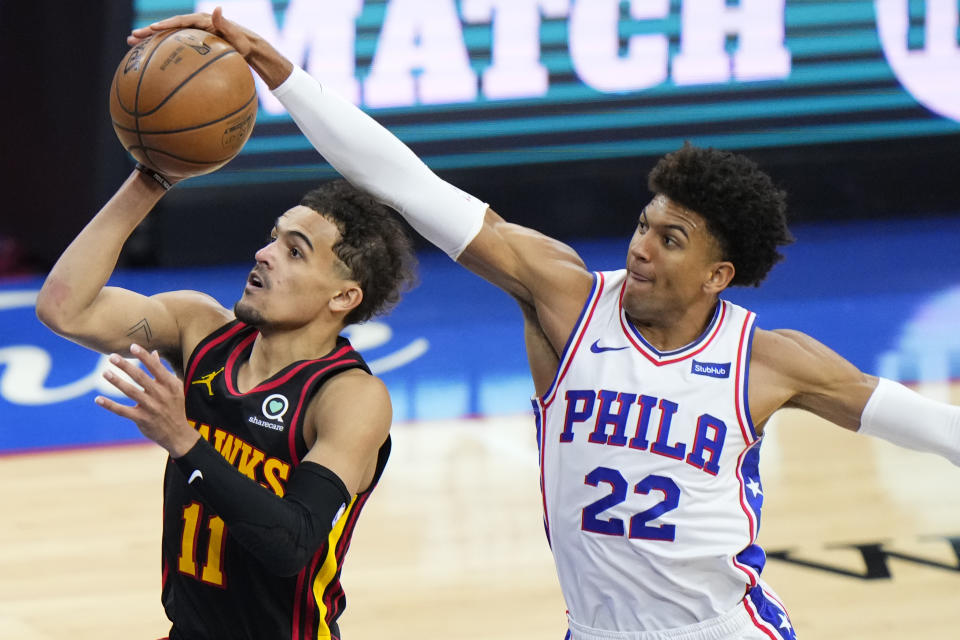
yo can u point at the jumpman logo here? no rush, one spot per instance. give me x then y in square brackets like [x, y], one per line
[208, 380]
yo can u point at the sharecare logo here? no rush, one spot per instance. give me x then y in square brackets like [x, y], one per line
[929, 72]
[275, 406]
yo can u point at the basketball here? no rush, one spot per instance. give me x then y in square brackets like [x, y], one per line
[183, 102]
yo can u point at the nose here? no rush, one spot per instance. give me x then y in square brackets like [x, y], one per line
[264, 254]
[640, 246]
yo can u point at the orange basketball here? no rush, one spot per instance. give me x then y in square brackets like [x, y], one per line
[183, 102]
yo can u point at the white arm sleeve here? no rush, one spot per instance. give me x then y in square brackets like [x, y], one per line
[374, 160]
[906, 418]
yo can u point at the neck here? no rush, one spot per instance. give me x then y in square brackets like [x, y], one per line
[273, 350]
[667, 332]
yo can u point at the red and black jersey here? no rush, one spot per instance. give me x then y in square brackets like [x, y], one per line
[212, 587]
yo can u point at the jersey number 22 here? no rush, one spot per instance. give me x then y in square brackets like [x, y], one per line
[638, 522]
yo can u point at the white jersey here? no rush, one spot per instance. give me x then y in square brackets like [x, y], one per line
[649, 470]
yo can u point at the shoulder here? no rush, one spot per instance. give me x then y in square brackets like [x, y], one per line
[348, 422]
[783, 356]
[352, 383]
[778, 362]
[792, 353]
[354, 400]
[194, 310]
[796, 370]
[769, 346]
[196, 314]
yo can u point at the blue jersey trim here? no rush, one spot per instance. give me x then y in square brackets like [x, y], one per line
[746, 377]
[692, 345]
[772, 613]
[752, 555]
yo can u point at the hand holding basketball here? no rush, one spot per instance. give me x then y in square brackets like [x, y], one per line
[238, 37]
[183, 102]
[272, 67]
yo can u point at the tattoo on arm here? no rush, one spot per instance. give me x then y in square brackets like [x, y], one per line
[141, 328]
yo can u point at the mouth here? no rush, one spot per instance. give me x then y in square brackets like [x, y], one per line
[636, 276]
[255, 281]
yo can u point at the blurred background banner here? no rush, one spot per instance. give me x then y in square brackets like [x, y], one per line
[492, 83]
[551, 110]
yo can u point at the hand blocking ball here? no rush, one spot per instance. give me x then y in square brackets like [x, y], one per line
[183, 102]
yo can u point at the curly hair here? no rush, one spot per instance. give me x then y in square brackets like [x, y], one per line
[373, 245]
[743, 209]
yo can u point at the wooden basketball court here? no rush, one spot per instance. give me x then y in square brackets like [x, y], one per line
[864, 539]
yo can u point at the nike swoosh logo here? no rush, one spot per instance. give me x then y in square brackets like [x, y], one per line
[596, 348]
[193, 476]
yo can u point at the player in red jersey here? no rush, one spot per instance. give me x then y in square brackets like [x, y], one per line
[278, 431]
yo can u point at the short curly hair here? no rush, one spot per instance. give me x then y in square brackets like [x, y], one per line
[743, 208]
[373, 245]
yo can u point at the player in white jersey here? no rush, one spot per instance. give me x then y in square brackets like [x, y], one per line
[649, 463]
[652, 391]
[650, 475]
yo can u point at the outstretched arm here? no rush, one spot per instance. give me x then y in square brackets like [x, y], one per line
[530, 266]
[792, 369]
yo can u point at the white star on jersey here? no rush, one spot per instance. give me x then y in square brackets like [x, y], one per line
[784, 623]
[754, 487]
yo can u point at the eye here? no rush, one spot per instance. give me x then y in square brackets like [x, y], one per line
[295, 253]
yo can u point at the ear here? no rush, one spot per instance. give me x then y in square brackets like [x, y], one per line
[347, 299]
[720, 276]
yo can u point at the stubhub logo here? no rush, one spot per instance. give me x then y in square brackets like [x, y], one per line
[711, 369]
